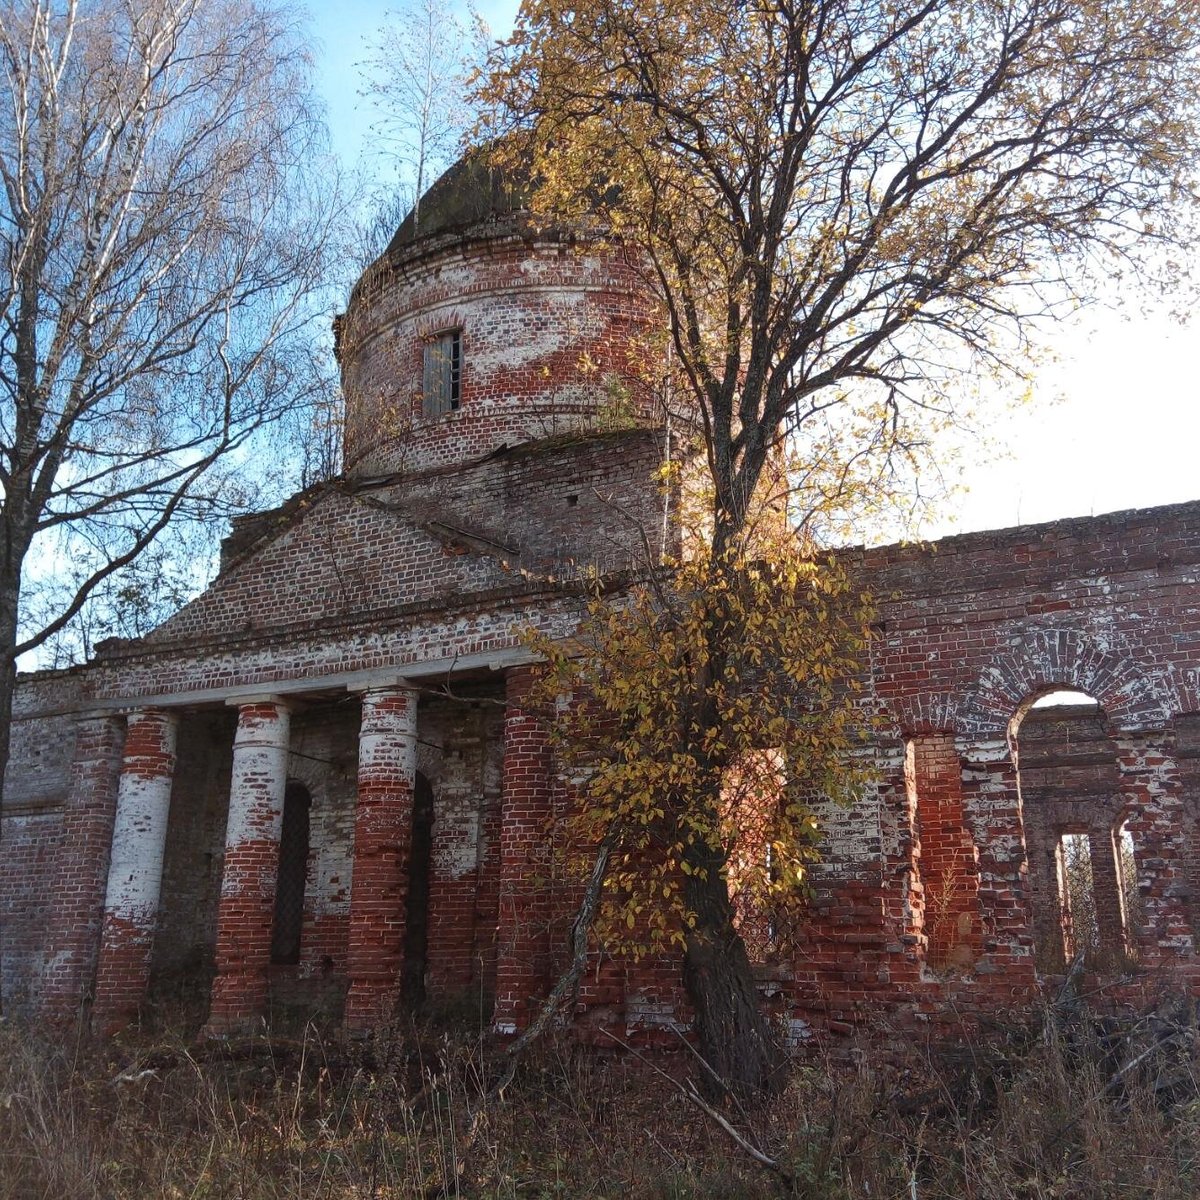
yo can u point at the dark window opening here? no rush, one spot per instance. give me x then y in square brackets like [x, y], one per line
[416, 927]
[442, 374]
[293, 873]
[1081, 928]
[1127, 878]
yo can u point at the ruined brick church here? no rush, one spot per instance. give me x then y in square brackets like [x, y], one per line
[320, 786]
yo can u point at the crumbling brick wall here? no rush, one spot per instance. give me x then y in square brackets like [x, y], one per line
[924, 894]
[556, 337]
[31, 823]
[970, 631]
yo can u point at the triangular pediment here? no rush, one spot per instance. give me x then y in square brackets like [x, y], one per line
[341, 557]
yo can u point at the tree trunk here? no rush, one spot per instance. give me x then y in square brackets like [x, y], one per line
[734, 1038]
[14, 548]
[8, 687]
[9, 594]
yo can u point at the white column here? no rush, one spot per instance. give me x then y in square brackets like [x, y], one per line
[139, 840]
[246, 912]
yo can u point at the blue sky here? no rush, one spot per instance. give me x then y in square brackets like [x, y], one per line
[344, 30]
[1114, 422]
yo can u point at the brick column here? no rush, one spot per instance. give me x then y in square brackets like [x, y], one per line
[387, 767]
[992, 806]
[1187, 754]
[1152, 788]
[82, 867]
[135, 871]
[521, 934]
[1106, 890]
[246, 912]
[1044, 876]
[948, 860]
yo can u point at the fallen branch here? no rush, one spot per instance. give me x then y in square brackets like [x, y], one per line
[564, 989]
[568, 981]
[689, 1092]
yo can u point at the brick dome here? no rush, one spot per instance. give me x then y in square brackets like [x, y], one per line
[470, 192]
[479, 328]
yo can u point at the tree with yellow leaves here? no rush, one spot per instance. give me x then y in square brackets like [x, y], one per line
[709, 704]
[845, 206]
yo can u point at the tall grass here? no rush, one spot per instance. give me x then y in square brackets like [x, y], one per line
[1026, 1116]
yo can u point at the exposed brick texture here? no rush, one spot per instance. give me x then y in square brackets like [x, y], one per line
[135, 868]
[80, 869]
[247, 909]
[31, 829]
[522, 954]
[945, 855]
[387, 767]
[1150, 786]
[182, 958]
[1187, 751]
[449, 537]
[554, 337]
[462, 757]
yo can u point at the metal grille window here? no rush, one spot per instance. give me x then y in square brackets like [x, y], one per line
[442, 374]
[293, 871]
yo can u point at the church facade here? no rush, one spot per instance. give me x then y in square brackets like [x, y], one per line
[321, 785]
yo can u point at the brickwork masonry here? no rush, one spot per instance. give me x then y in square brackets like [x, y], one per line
[449, 536]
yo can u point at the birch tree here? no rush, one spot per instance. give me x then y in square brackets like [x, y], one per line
[418, 77]
[160, 238]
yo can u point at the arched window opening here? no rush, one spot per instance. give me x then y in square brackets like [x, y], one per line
[293, 874]
[416, 927]
[1071, 805]
[1131, 896]
[1063, 698]
[1080, 928]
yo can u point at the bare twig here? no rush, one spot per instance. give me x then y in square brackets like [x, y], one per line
[688, 1091]
[568, 981]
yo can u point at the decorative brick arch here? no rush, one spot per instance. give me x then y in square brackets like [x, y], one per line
[1039, 659]
[927, 712]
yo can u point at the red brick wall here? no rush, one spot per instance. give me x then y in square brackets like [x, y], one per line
[969, 631]
[553, 340]
[362, 556]
[946, 857]
[975, 625]
[522, 936]
[181, 963]
[80, 870]
[462, 757]
[31, 825]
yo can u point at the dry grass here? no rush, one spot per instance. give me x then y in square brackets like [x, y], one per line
[1024, 1117]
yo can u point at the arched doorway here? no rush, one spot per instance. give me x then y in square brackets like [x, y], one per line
[1081, 858]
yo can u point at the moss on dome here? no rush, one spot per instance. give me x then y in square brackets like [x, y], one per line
[470, 192]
